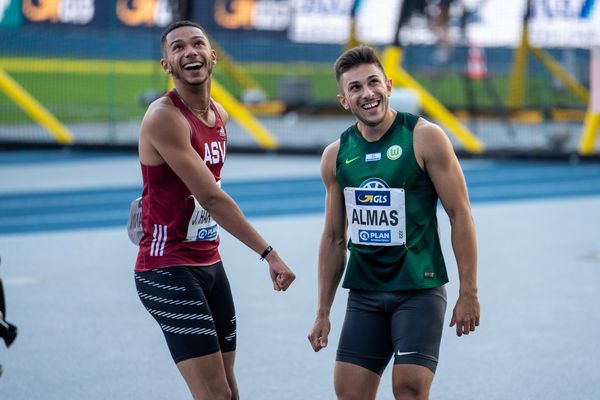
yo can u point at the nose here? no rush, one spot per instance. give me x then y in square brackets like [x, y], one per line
[190, 50]
[367, 92]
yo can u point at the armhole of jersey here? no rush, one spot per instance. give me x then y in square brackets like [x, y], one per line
[411, 120]
[217, 112]
[189, 124]
[343, 141]
[177, 103]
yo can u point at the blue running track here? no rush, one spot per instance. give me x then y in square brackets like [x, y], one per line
[37, 211]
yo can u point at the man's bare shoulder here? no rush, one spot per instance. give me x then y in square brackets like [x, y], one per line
[430, 136]
[160, 108]
[426, 130]
[163, 130]
[431, 143]
[331, 150]
[162, 116]
[328, 160]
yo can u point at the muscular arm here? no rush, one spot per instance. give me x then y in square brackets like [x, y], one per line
[332, 248]
[436, 155]
[167, 135]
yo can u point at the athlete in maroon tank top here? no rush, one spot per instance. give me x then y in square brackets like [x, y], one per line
[177, 231]
[179, 276]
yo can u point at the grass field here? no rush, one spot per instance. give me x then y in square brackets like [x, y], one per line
[104, 90]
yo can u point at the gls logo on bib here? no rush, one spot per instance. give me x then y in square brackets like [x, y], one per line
[372, 197]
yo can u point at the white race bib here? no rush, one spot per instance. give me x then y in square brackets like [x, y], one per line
[376, 216]
[201, 226]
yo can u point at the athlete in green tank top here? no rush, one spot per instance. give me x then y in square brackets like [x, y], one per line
[383, 178]
[374, 169]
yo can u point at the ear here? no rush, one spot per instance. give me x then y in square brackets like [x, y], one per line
[389, 86]
[343, 101]
[165, 66]
[213, 55]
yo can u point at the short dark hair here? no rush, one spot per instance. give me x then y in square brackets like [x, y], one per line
[174, 25]
[354, 57]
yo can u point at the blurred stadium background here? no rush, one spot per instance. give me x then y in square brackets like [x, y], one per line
[80, 73]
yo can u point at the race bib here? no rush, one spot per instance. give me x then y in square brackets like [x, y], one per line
[376, 216]
[201, 226]
[134, 224]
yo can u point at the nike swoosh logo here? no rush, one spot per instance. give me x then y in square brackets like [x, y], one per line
[405, 353]
[348, 161]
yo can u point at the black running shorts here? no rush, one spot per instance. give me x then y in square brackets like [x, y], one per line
[406, 325]
[193, 306]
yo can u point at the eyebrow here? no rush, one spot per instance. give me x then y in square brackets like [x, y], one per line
[193, 38]
[368, 78]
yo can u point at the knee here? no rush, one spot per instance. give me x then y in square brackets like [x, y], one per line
[347, 392]
[347, 395]
[410, 391]
[216, 393]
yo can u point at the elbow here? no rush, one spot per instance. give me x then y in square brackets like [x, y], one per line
[460, 216]
[209, 201]
[340, 243]
[333, 242]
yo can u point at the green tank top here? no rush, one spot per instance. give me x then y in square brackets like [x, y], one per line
[391, 210]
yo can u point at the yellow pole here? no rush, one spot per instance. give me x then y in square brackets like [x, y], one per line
[243, 116]
[516, 85]
[587, 145]
[34, 109]
[575, 87]
[431, 105]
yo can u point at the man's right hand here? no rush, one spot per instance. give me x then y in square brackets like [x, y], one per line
[281, 275]
[319, 333]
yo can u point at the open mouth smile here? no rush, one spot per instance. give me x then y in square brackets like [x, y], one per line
[371, 105]
[193, 66]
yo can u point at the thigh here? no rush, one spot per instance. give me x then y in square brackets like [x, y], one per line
[410, 381]
[221, 303]
[205, 376]
[417, 323]
[365, 339]
[176, 300]
[353, 382]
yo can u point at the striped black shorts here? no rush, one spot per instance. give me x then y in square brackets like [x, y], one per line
[193, 306]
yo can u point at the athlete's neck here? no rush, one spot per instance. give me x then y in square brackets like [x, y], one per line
[374, 133]
[197, 99]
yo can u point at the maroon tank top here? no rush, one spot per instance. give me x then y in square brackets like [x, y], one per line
[177, 231]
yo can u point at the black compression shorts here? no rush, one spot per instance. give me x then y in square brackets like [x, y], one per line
[406, 325]
[193, 306]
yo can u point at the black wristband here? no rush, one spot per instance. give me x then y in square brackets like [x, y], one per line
[266, 253]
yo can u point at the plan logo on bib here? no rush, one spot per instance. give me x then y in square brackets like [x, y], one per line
[394, 152]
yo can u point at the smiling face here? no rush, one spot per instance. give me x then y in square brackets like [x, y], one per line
[188, 56]
[365, 91]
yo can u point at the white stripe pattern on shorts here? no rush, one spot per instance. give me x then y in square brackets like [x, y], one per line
[170, 301]
[165, 314]
[188, 331]
[159, 285]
